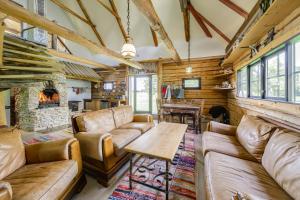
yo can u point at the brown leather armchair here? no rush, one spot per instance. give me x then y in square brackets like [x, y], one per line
[102, 136]
[48, 170]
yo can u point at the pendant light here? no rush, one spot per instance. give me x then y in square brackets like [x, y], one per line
[128, 50]
[189, 68]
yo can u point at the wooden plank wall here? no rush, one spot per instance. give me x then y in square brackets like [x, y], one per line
[280, 111]
[172, 73]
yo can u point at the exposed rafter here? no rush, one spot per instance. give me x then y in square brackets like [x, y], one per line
[107, 8]
[90, 21]
[118, 18]
[235, 8]
[191, 7]
[147, 9]
[186, 19]
[155, 41]
[65, 8]
[10, 8]
[199, 21]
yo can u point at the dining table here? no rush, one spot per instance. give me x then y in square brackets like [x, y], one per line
[183, 110]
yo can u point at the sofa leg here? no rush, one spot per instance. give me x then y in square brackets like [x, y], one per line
[82, 183]
[103, 182]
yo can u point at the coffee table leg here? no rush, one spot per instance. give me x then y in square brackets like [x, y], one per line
[167, 180]
[130, 171]
[184, 142]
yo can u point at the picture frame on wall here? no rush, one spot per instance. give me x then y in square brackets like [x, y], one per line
[191, 83]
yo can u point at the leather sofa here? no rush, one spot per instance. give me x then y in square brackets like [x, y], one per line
[258, 159]
[102, 136]
[48, 170]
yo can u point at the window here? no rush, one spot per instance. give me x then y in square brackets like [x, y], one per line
[191, 83]
[242, 82]
[255, 80]
[296, 72]
[108, 86]
[276, 76]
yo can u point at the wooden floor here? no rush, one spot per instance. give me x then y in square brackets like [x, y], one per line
[94, 191]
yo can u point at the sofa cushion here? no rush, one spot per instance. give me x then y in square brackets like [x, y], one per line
[226, 175]
[282, 160]
[122, 137]
[99, 121]
[224, 144]
[42, 181]
[142, 126]
[12, 153]
[123, 115]
[254, 133]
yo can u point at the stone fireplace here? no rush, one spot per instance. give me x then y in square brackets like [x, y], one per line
[49, 96]
[43, 105]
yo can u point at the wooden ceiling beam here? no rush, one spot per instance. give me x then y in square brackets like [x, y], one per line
[118, 18]
[65, 8]
[191, 7]
[199, 20]
[235, 8]
[186, 18]
[147, 9]
[107, 8]
[90, 22]
[10, 8]
[155, 40]
[71, 58]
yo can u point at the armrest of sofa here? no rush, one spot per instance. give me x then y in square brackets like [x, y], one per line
[221, 128]
[143, 118]
[5, 191]
[93, 144]
[49, 151]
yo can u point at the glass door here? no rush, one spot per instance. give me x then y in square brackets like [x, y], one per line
[142, 94]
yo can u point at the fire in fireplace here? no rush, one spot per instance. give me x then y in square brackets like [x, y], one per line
[49, 97]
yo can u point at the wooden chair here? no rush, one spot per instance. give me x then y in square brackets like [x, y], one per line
[188, 116]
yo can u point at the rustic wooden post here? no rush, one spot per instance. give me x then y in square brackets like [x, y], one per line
[2, 29]
[159, 79]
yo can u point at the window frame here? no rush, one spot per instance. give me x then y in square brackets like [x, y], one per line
[240, 84]
[290, 73]
[292, 70]
[271, 54]
[260, 79]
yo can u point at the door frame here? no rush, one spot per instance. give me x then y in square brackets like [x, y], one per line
[150, 94]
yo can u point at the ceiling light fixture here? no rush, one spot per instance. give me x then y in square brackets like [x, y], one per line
[189, 68]
[128, 50]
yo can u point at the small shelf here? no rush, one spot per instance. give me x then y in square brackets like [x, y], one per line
[223, 89]
[278, 10]
[222, 75]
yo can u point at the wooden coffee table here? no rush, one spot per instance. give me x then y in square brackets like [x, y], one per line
[161, 143]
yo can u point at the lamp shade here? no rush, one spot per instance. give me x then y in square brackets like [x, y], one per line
[189, 69]
[128, 50]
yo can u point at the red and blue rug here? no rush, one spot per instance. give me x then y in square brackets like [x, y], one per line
[182, 185]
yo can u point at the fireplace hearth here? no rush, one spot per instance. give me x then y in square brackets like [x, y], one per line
[49, 97]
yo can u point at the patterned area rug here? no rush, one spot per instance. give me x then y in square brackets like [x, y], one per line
[182, 184]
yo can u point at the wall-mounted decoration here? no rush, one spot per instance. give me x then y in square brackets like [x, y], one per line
[191, 83]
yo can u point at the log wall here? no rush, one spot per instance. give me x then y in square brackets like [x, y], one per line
[171, 73]
[281, 111]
